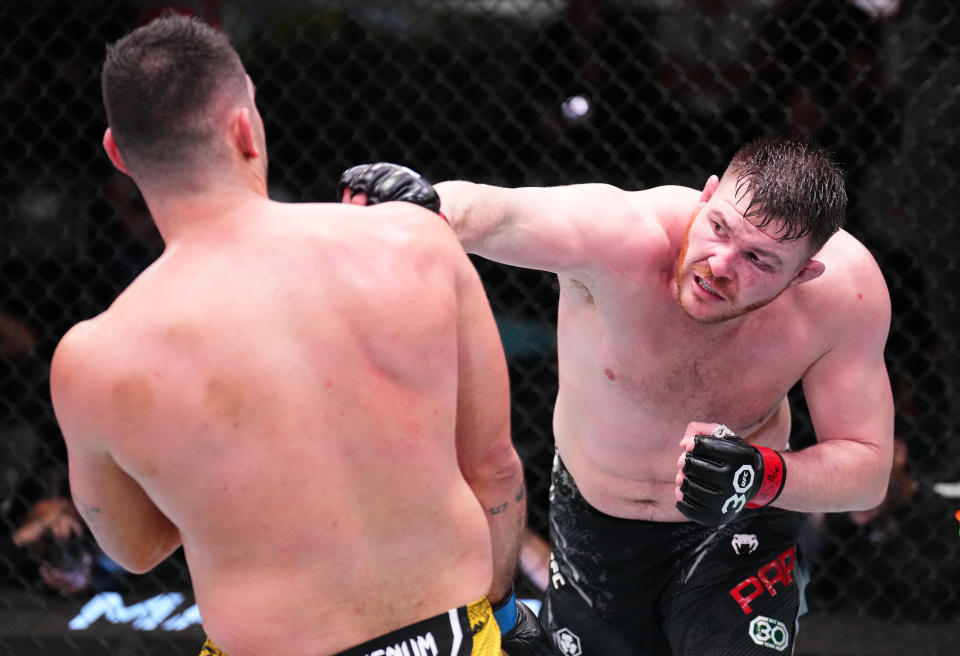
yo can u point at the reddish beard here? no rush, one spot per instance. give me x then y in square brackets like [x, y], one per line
[700, 271]
[682, 255]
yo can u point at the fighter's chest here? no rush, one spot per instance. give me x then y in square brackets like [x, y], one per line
[650, 356]
[698, 380]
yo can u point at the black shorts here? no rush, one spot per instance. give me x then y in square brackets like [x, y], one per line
[633, 588]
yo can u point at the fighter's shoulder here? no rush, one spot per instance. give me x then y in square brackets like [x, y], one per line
[394, 220]
[853, 289]
[655, 218]
[616, 200]
[851, 262]
[97, 338]
[408, 218]
[83, 355]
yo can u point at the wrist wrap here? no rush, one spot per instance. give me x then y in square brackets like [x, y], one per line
[505, 612]
[774, 476]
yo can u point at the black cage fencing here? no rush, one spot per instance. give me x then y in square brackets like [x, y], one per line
[636, 93]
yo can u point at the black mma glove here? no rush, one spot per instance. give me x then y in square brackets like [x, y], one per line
[383, 182]
[521, 633]
[723, 474]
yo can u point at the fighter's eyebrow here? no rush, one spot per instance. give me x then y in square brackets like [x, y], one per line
[722, 220]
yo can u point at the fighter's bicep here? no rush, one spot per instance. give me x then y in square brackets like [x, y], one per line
[849, 396]
[558, 229]
[126, 523]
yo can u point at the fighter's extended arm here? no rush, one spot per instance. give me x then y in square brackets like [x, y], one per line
[565, 229]
[558, 229]
[123, 519]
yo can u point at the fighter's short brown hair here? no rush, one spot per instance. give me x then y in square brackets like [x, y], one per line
[163, 85]
[794, 184]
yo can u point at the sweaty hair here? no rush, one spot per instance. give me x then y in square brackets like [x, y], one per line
[794, 184]
[163, 86]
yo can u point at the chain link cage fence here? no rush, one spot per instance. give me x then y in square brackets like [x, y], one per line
[636, 93]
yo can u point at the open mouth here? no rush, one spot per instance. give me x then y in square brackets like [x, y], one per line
[707, 288]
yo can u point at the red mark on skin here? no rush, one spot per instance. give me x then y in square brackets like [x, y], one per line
[859, 297]
[609, 374]
[327, 383]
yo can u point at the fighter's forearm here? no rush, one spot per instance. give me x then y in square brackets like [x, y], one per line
[506, 531]
[504, 502]
[473, 210]
[138, 544]
[835, 476]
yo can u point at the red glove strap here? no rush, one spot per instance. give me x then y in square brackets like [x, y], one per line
[774, 476]
[443, 216]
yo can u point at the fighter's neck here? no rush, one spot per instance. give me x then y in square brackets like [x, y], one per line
[179, 213]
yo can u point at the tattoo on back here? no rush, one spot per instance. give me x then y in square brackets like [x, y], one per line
[496, 510]
[521, 492]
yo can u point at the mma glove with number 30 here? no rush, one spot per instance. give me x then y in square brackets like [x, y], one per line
[723, 474]
[383, 182]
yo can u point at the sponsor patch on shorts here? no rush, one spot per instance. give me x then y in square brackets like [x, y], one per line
[777, 572]
[568, 642]
[768, 632]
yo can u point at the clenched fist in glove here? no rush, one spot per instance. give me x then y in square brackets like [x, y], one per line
[382, 182]
[722, 474]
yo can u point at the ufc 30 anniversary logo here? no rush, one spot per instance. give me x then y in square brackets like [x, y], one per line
[768, 632]
[742, 481]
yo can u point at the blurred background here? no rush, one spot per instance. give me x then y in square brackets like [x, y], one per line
[636, 93]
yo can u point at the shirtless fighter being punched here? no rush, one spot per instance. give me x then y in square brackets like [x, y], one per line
[685, 317]
[337, 468]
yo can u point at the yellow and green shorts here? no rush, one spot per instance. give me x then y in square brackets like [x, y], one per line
[465, 631]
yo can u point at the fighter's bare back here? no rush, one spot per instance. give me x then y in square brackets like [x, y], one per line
[241, 404]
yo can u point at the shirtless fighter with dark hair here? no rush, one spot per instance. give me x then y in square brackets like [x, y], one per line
[311, 399]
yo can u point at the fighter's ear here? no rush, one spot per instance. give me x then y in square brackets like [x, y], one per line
[241, 131]
[113, 152]
[711, 186]
[812, 269]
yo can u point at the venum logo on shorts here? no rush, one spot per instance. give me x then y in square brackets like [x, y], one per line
[743, 541]
[568, 642]
[419, 646]
[779, 570]
[768, 632]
